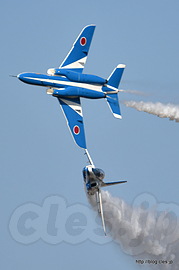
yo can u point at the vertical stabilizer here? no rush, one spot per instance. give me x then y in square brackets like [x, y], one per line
[113, 103]
[115, 77]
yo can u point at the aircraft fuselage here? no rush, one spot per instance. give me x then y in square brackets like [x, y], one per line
[93, 178]
[61, 86]
[68, 84]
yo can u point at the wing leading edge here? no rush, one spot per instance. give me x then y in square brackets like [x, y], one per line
[72, 110]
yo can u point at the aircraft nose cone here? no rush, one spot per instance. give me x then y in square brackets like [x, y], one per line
[20, 76]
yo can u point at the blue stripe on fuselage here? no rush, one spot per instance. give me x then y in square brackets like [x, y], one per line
[42, 79]
[60, 82]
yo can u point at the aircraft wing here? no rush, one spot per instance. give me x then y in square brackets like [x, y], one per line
[72, 110]
[89, 158]
[101, 208]
[112, 183]
[76, 58]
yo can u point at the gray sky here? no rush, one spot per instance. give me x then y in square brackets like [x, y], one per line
[38, 156]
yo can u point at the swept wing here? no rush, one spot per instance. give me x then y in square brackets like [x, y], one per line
[101, 210]
[72, 110]
[112, 183]
[76, 58]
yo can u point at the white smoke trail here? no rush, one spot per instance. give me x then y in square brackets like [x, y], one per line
[148, 234]
[169, 110]
[134, 92]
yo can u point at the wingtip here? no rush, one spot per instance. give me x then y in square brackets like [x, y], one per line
[121, 66]
[117, 115]
[92, 24]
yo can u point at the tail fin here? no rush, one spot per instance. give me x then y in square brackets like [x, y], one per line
[112, 97]
[115, 77]
[113, 102]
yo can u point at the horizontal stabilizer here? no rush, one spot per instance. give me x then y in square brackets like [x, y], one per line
[113, 102]
[112, 183]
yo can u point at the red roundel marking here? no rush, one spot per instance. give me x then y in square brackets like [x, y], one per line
[83, 41]
[76, 130]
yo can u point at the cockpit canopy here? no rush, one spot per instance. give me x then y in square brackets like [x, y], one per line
[98, 173]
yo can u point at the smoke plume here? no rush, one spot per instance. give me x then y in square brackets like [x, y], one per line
[141, 231]
[169, 110]
[135, 92]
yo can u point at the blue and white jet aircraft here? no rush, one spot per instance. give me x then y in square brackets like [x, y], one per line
[93, 178]
[69, 84]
